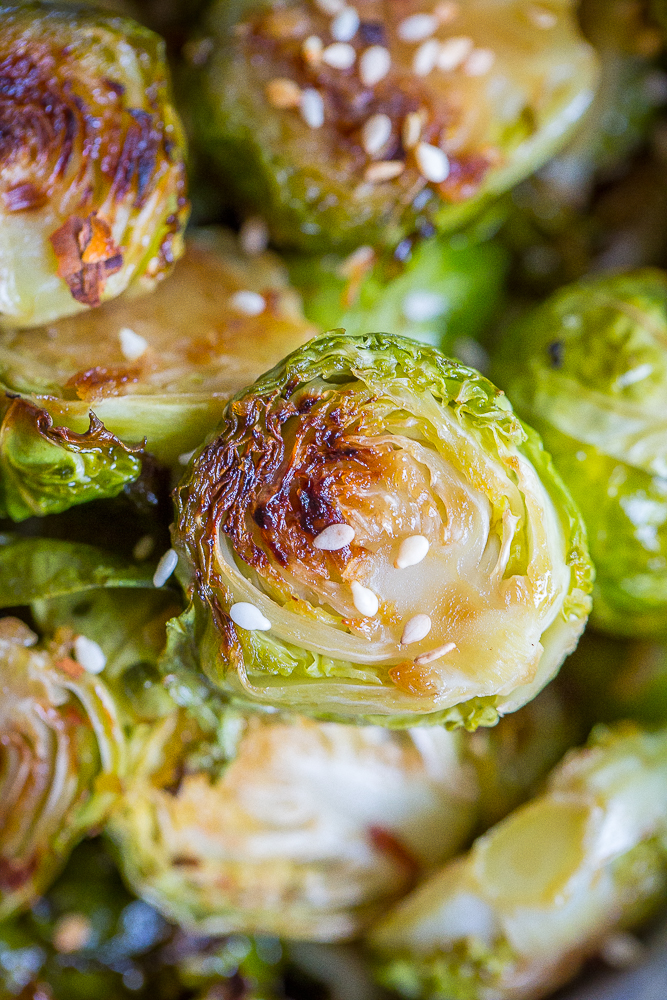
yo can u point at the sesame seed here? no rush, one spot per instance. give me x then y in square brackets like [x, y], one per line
[420, 306]
[357, 262]
[71, 933]
[411, 551]
[454, 52]
[376, 134]
[479, 62]
[185, 456]
[417, 28]
[539, 17]
[412, 129]
[416, 629]
[254, 236]
[283, 93]
[447, 11]
[250, 303]
[89, 654]
[247, 616]
[384, 170]
[312, 50]
[312, 108]
[331, 7]
[132, 346]
[143, 548]
[335, 537]
[340, 55]
[426, 57]
[434, 654]
[345, 26]
[374, 64]
[622, 950]
[365, 601]
[432, 162]
[165, 568]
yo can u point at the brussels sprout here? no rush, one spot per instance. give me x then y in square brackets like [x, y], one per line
[544, 889]
[446, 293]
[92, 195]
[161, 367]
[61, 758]
[278, 826]
[368, 127]
[589, 370]
[373, 536]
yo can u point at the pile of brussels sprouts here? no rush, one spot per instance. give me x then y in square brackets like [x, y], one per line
[333, 410]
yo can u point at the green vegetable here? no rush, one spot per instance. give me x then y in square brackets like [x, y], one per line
[92, 196]
[543, 890]
[305, 140]
[160, 367]
[588, 368]
[391, 441]
[46, 469]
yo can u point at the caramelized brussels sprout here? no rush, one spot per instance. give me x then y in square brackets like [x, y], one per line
[588, 368]
[61, 758]
[92, 188]
[347, 126]
[543, 890]
[373, 536]
[160, 367]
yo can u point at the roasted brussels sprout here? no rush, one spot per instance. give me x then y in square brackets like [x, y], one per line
[160, 367]
[546, 888]
[373, 536]
[588, 368]
[92, 188]
[347, 126]
[293, 827]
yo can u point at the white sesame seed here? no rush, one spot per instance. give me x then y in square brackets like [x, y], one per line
[446, 11]
[412, 129]
[420, 306]
[417, 28]
[374, 64]
[143, 548]
[411, 551]
[312, 50]
[376, 133]
[357, 262]
[312, 108]
[365, 601]
[416, 629]
[385, 170]
[622, 950]
[434, 654]
[247, 616]
[335, 537]
[432, 162]
[345, 26]
[454, 52]
[250, 303]
[283, 93]
[540, 17]
[89, 654]
[165, 568]
[426, 57]
[331, 7]
[340, 55]
[132, 346]
[254, 236]
[479, 62]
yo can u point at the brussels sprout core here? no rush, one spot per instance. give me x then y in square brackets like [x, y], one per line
[327, 482]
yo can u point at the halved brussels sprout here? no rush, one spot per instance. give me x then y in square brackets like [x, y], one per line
[92, 195]
[545, 889]
[588, 368]
[363, 125]
[292, 827]
[61, 758]
[161, 367]
[373, 536]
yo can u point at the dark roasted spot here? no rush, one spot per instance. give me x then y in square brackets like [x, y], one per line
[556, 351]
[373, 33]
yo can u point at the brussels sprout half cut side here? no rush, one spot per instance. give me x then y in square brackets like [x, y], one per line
[371, 535]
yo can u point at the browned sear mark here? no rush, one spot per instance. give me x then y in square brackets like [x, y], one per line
[87, 256]
[23, 197]
[100, 382]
